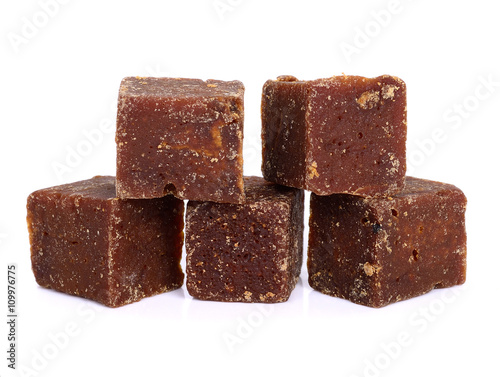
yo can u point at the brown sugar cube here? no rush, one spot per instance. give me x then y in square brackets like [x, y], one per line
[87, 243]
[248, 252]
[376, 251]
[343, 134]
[182, 137]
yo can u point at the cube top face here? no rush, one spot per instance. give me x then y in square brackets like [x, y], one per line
[249, 252]
[166, 87]
[380, 251]
[180, 136]
[86, 242]
[258, 190]
[416, 187]
[348, 134]
[98, 188]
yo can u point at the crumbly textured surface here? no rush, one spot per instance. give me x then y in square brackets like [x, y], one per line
[86, 242]
[248, 252]
[377, 251]
[182, 137]
[343, 134]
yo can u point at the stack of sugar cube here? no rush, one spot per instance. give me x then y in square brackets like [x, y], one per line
[376, 236]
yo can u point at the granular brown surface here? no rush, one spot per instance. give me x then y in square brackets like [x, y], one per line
[248, 252]
[376, 251]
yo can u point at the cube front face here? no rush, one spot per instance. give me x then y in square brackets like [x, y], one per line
[69, 244]
[344, 134]
[378, 251]
[249, 253]
[87, 243]
[180, 136]
[356, 135]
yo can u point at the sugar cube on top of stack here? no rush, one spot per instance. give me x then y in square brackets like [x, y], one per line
[181, 137]
[344, 134]
[376, 237]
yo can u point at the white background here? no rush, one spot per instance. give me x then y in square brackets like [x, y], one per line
[61, 65]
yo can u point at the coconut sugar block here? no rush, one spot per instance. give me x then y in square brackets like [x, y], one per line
[343, 134]
[88, 243]
[182, 137]
[249, 252]
[377, 251]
